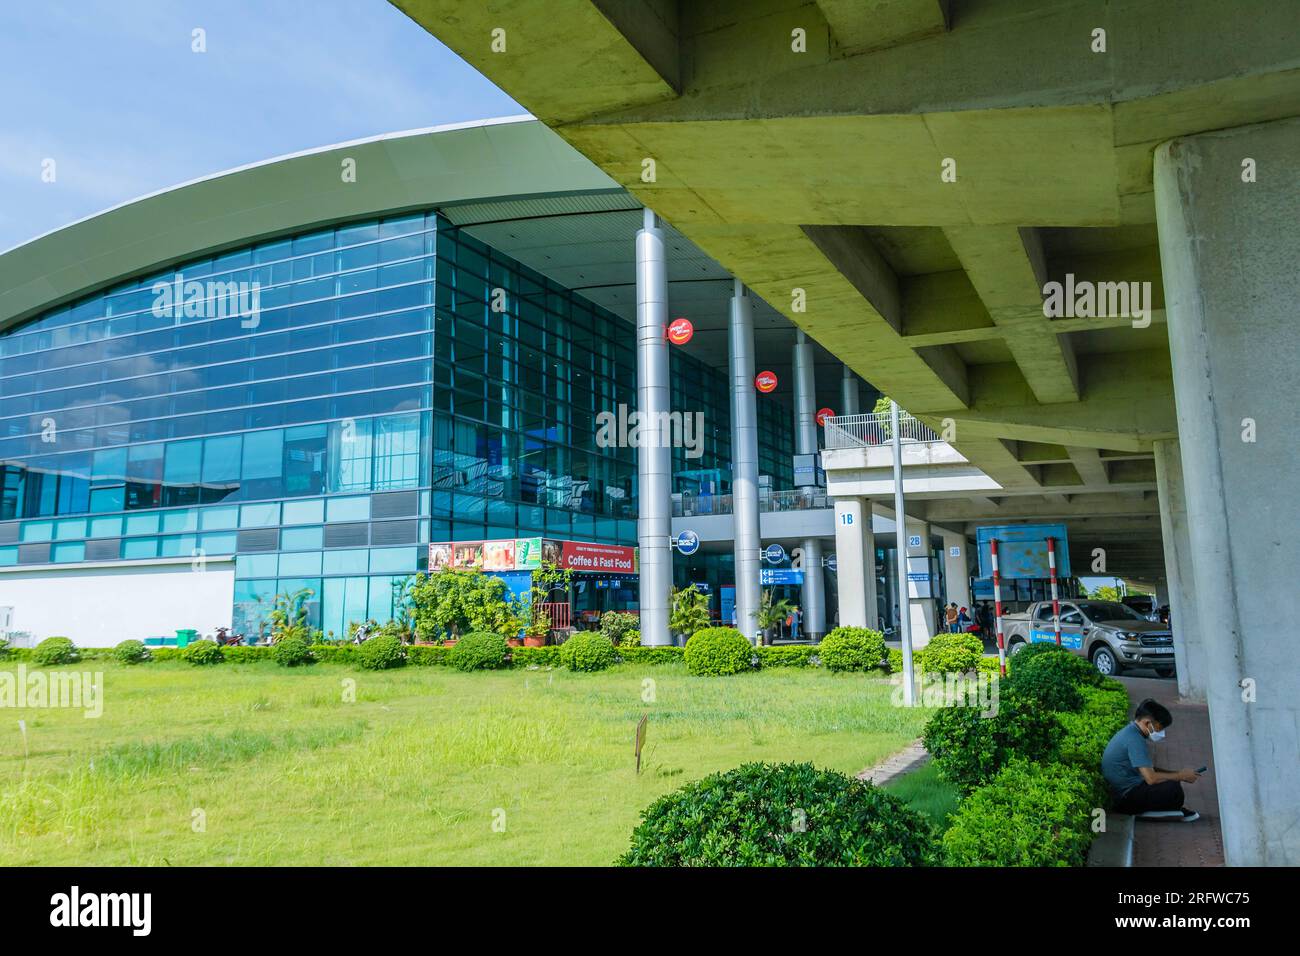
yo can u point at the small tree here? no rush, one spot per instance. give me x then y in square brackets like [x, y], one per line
[456, 602]
[690, 611]
[770, 615]
[289, 616]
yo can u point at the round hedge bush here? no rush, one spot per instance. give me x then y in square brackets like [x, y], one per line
[587, 651]
[1049, 686]
[952, 654]
[1047, 656]
[292, 652]
[131, 652]
[969, 746]
[56, 650]
[479, 651]
[852, 649]
[381, 653]
[202, 653]
[780, 815]
[714, 651]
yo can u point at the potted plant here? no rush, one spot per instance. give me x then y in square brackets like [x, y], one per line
[770, 615]
[690, 612]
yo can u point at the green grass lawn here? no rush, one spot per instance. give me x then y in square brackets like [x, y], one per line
[414, 772]
[927, 794]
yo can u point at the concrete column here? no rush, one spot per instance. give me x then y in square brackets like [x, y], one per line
[1179, 580]
[805, 437]
[1226, 211]
[744, 462]
[849, 404]
[955, 569]
[653, 457]
[924, 625]
[855, 562]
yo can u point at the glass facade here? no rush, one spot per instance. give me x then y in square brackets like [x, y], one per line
[397, 382]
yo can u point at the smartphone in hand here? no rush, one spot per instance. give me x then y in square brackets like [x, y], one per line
[1202, 769]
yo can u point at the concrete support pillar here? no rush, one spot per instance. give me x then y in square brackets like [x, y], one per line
[855, 562]
[744, 462]
[1226, 211]
[653, 457]
[1179, 580]
[805, 437]
[955, 569]
[849, 404]
[920, 597]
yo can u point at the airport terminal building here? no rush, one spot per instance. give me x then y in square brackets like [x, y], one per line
[207, 402]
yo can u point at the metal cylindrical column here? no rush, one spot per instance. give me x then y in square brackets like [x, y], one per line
[653, 457]
[849, 393]
[1056, 600]
[900, 542]
[805, 438]
[997, 606]
[744, 463]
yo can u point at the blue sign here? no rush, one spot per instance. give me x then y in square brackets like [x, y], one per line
[688, 542]
[1022, 550]
[780, 576]
[774, 554]
[1074, 641]
[833, 563]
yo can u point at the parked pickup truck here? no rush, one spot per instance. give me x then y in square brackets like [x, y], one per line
[1108, 633]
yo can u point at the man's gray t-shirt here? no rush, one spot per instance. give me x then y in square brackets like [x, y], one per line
[1126, 752]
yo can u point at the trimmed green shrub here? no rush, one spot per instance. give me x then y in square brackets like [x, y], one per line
[631, 638]
[1028, 815]
[715, 651]
[792, 655]
[202, 653]
[1049, 657]
[381, 653]
[535, 656]
[55, 650]
[587, 651]
[951, 654]
[895, 659]
[248, 653]
[336, 653]
[852, 649]
[1049, 687]
[131, 652]
[1087, 731]
[1030, 651]
[659, 654]
[291, 652]
[779, 815]
[429, 655]
[969, 748]
[479, 651]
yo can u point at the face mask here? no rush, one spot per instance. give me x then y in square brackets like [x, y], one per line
[1157, 735]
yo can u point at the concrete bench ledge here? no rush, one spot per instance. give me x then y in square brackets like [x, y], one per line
[1115, 846]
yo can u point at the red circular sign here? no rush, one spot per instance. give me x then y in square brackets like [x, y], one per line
[823, 414]
[765, 382]
[680, 331]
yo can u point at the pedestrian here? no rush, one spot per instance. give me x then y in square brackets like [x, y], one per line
[963, 621]
[950, 618]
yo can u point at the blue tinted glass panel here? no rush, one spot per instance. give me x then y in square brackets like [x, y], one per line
[105, 527]
[304, 512]
[8, 556]
[215, 519]
[256, 565]
[218, 543]
[68, 551]
[140, 548]
[307, 562]
[348, 509]
[141, 524]
[36, 531]
[393, 560]
[259, 516]
[300, 539]
[346, 562]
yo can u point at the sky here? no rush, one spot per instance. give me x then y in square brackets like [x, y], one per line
[114, 94]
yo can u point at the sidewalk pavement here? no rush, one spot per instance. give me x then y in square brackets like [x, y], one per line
[1172, 843]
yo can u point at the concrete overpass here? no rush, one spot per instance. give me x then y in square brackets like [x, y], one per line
[905, 179]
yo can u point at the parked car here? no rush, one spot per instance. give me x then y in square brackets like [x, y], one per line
[1110, 634]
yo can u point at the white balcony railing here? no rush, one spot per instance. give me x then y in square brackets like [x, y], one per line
[861, 431]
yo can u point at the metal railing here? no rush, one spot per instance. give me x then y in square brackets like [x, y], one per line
[862, 431]
[690, 505]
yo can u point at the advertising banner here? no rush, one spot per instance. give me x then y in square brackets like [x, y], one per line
[605, 558]
[528, 554]
[1022, 550]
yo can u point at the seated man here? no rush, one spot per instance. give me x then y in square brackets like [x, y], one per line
[1136, 786]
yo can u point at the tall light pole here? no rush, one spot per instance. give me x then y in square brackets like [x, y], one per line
[900, 533]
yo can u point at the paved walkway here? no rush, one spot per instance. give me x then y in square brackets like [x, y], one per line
[1159, 843]
[910, 758]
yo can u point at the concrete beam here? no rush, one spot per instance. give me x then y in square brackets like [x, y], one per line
[861, 25]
